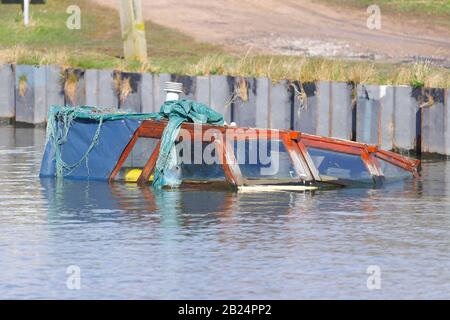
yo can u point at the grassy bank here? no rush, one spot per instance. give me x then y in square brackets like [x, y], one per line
[436, 10]
[98, 45]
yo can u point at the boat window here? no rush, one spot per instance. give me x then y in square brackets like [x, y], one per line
[264, 159]
[199, 161]
[391, 171]
[137, 159]
[339, 165]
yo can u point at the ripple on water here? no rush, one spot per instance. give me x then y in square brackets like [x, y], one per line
[132, 242]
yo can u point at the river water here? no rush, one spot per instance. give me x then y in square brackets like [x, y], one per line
[83, 240]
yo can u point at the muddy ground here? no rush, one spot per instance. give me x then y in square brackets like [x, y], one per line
[301, 27]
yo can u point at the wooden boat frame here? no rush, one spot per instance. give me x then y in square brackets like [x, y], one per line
[296, 144]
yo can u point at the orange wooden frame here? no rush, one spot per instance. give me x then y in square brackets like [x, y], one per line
[296, 144]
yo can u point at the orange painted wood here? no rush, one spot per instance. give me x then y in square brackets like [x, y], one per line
[406, 164]
[327, 145]
[154, 129]
[391, 156]
[332, 140]
[296, 157]
[124, 155]
[229, 163]
[309, 161]
[149, 165]
[371, 166]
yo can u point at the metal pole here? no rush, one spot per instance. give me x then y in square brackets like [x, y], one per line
[26, 12]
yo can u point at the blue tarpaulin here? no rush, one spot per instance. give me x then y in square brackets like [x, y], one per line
[114, 137]
[86, 142]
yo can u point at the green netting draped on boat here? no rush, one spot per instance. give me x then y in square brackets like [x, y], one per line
[60, 120]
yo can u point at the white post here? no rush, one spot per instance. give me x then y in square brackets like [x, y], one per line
[26, 12]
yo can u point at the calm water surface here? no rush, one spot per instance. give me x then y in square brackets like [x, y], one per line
[131, 242]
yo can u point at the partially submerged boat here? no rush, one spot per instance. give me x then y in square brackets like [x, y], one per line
[189, 144]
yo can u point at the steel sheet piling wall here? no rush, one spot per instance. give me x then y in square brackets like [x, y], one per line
[147, 93]
[368, 114]
[386, 125]
[393, 117]
[405, 113]
[54, 87]
[323, 108]
[375, 115]
[341, 110]
[280, 105]
[244, 106]
[107, 95]
[202, 90]
[432, 104]
[7, 95]
[222, 94]
[30, 92]
[323, 94]
[92, 87]
[447, 122]
[40, 96]
[262, 102]
[306, 109]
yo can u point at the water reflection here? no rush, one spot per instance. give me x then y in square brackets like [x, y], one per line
[190, 211]
[130, 202]
[95, 201]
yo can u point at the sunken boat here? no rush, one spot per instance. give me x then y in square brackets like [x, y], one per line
[189, 144]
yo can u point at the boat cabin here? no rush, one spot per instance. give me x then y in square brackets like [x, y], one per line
[238, 157]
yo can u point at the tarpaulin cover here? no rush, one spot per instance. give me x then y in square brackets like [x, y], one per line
[114, 137]
[86, 142]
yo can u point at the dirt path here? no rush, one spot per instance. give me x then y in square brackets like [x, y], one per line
[299, 27]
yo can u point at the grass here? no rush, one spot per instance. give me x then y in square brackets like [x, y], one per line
[438, 10]
[71, 85]
[122, 87]
[316, 69]
[98, 45]
[23, 85]
[427, 7]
